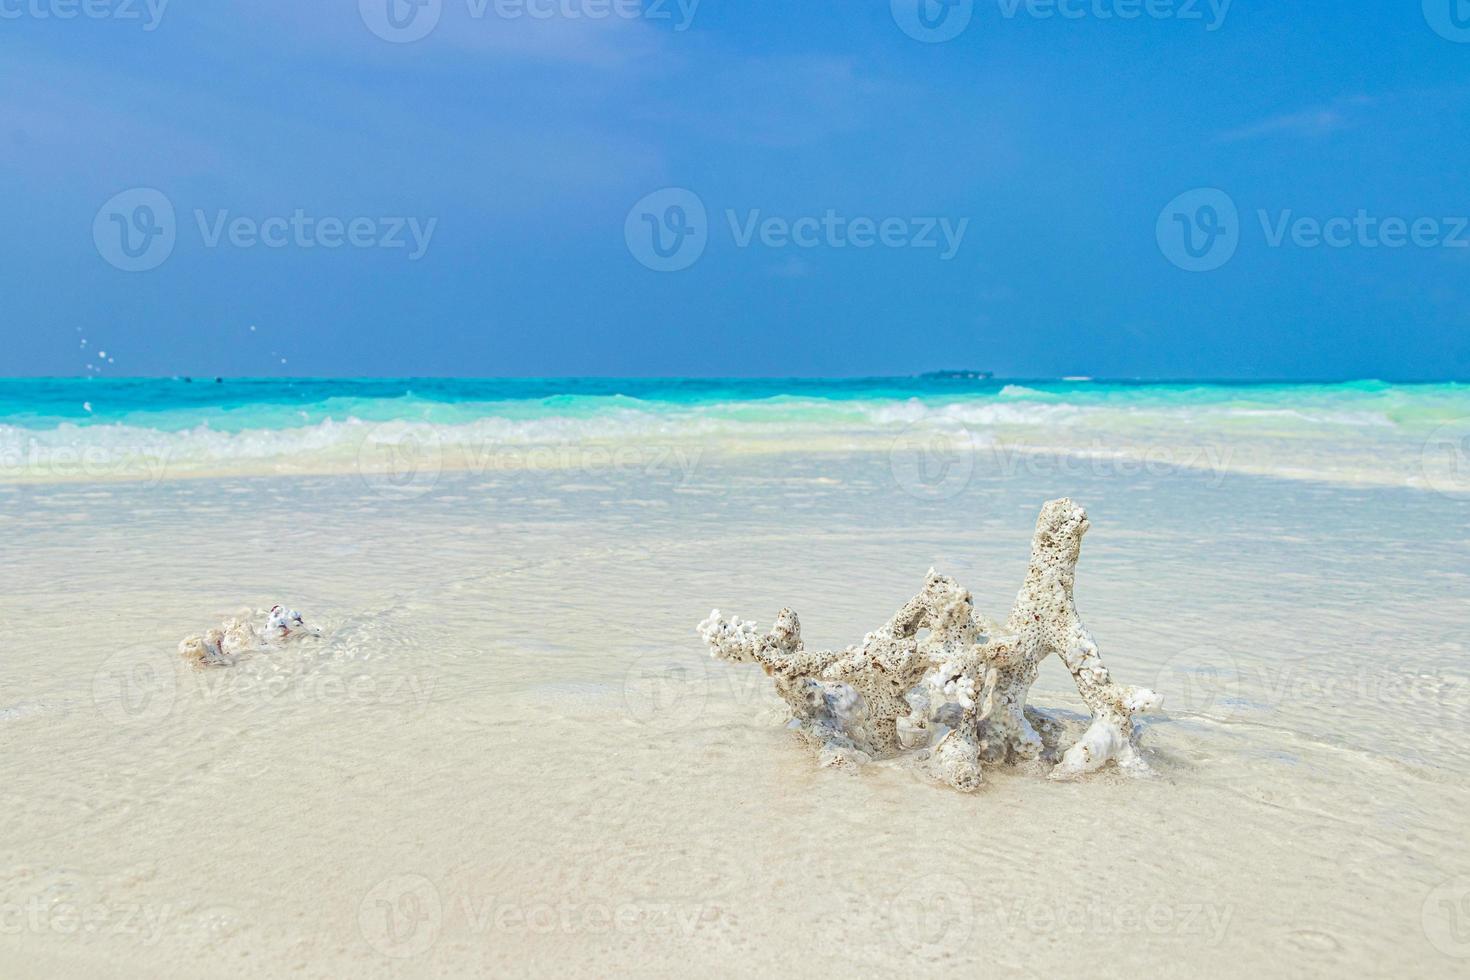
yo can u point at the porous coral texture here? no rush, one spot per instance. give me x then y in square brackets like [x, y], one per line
[958, 692]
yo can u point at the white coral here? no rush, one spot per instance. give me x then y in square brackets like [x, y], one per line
[976, 674]
[235, 639]
[281, 623]
[953, 684]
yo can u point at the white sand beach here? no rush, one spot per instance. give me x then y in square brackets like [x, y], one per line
[509, 754]
[587, 489]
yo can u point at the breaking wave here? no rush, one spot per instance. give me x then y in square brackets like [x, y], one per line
[1366, 432]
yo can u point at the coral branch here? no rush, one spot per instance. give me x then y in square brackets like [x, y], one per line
[888, 664]
[868, 700]
[225, 645]
[1112, 734]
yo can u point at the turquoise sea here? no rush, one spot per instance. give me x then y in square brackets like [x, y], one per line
[235, 404]
[510, 708]
[1370, 432]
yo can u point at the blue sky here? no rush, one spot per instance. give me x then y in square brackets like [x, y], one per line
[520, 147]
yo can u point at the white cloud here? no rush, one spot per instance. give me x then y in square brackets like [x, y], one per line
[1313, 123]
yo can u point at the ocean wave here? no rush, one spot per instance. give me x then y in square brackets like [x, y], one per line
[1372, 435]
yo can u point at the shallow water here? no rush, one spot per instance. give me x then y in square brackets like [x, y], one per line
[509, 753]
[406, 431]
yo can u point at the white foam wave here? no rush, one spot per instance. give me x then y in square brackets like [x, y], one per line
[1357, 446]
